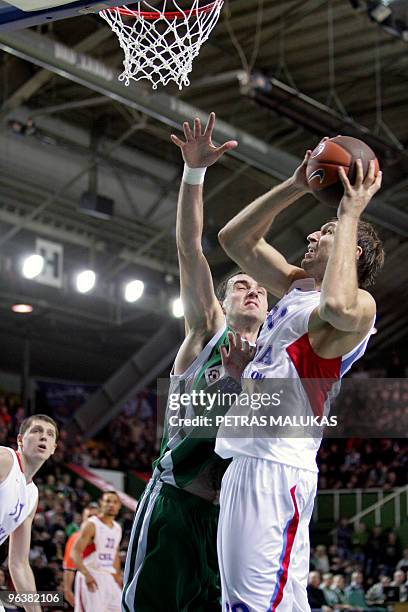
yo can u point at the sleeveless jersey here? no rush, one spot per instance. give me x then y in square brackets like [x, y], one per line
[284, 351]
[101, 553]
[17, 498]
[186, 461]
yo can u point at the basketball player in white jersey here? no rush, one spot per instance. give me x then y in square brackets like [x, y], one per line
[98, 581]
[37, 441]
[320, 326]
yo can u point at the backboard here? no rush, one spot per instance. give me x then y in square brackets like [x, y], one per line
[36, 12]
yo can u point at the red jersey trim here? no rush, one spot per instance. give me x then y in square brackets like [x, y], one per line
[88, 550]
[19, 461]
[316, 373]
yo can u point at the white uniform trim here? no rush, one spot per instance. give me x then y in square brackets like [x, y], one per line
[17, 499]
[150, 496]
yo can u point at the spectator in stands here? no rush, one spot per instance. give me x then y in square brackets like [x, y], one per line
[359, 541]
[315, 595]
[320, 560]
[403, 563]
[355, 594]
[373, 550]
[342, 537]
[391, 552]
[338, 588]
[329, 594]
[375, 594]
[399, 581]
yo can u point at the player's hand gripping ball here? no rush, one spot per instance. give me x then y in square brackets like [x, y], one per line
[322, 169]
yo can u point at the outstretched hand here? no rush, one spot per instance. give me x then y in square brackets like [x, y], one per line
[238, 356]
[356, 197]
[198, 150]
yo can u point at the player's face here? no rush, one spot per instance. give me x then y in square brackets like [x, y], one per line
[39, 441]
[245, 297]
[320, 245]
[110, 505]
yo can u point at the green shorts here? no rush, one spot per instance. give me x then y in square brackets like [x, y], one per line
[172, 563]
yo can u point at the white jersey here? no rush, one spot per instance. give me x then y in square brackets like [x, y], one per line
[17, 498]
[101, 553]
[284, 352]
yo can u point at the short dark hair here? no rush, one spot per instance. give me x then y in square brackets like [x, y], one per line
[221, 290]
[26, 424]
[372, 257]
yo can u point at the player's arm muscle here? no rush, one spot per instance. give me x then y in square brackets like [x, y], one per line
[342, 303]
[87, 534]
[202, 310]
[18, 559]
[69, 576]
[243, 239]
[6, 463]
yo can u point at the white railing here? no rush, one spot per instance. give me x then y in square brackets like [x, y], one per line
[375, 508]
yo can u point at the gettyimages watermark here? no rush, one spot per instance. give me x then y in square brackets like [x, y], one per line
[272, 408]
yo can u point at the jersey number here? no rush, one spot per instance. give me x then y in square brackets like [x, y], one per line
[110, 543]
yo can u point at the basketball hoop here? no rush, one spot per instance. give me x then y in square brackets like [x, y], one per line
[160, 44]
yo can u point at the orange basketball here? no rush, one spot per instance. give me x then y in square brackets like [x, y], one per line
[322, 168]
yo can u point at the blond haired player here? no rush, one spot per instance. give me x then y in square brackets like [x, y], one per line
[37, 441]
[95, 553]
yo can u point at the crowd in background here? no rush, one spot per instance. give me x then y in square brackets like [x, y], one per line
[351, 574]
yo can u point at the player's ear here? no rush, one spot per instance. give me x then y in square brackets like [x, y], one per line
[19, 441]
[359, 252]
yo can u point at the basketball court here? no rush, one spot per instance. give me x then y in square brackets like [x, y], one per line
[90, 178]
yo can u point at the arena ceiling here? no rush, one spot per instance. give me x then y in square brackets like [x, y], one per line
[318, 68]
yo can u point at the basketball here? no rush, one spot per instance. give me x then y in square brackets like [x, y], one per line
[325, 160]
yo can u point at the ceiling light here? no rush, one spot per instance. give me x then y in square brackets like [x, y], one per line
[33, 266]
[177, 308]
[85, 281]
[22, 308]
[134, 290]
[380, 13]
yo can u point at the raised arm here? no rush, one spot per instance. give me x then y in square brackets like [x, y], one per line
[342, 304]
[203, 313]
[243, 238]
[201, 307]
[18, 560]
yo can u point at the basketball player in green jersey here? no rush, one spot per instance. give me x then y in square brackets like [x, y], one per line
[172, 558]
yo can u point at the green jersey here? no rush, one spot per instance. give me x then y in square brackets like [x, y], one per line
[186, 460]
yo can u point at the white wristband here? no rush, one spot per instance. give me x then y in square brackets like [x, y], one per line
[193, 176]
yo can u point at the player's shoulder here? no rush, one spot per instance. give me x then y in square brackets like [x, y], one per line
[89, 526]
[6, 461]
[368, 298]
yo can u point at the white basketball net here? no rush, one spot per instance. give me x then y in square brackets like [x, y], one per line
[162, 48]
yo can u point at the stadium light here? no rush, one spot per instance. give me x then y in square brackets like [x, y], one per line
[134, 290]
[85, 281]
[177, 308]
[22, 308]
[391, 15]
[32, 266]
